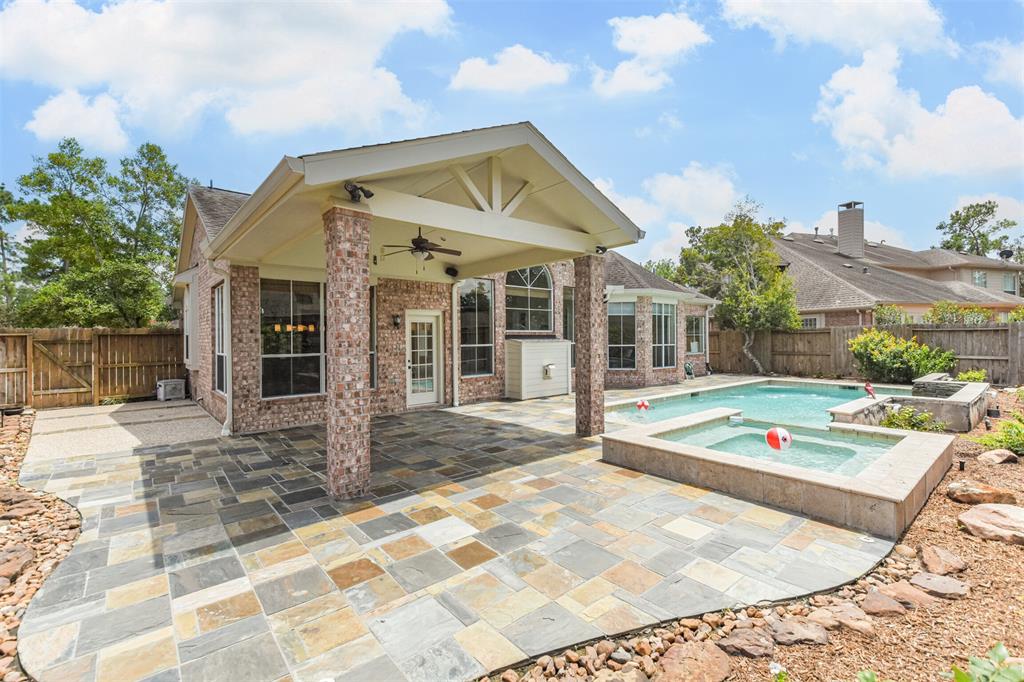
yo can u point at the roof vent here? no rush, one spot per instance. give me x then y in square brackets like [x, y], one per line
[847, 265]
[816, 230]
[818, 241]
[864, 269]
[787, 238]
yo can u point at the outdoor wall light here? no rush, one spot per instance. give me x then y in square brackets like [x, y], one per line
[356, 191]
[396, 320]
[601, 250]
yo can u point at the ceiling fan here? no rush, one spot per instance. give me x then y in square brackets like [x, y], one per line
[422, 248]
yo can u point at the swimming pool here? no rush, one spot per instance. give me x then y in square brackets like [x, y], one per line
[802, 404]
[837, 452]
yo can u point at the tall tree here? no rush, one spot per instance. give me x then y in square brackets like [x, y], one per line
[736, 263]
[10, 258]
[974, 229]
[663, 267]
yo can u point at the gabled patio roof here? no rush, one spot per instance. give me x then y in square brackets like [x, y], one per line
[504, 196]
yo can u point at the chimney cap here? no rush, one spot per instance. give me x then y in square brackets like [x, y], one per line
[851, 204]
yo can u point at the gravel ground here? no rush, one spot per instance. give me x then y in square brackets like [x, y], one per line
[36, 532]
[924, 643]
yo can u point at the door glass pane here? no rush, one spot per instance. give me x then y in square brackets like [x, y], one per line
[421, 343]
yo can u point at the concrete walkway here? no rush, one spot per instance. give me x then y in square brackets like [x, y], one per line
[100, 429]
[491, 534]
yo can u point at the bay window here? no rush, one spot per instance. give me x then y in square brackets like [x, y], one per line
[476, 327]
[528, 299]
[291, 328]
[622, 335]
[663, 328]
[694, 334]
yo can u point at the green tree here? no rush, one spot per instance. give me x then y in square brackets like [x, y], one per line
[101, 245]
[1017, 314]
[888, 315]
[10, 259]
[663, 267]
[736, 263]
[974, 229]
[947, 312]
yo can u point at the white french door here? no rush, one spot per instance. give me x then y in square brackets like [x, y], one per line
[423, 375]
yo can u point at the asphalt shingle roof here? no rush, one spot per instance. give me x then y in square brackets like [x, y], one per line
[827, 280]
[621, 271]
[215, 206]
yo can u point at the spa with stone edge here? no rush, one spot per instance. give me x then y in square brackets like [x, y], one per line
[860, 476]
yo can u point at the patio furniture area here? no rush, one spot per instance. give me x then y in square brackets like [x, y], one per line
[491, 534]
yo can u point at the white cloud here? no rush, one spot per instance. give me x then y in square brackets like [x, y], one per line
[698, 195]
[1009, 207]
[1005, 62]
[667, 124]
[94, 123]
[879, 124]
[515, 69]
[656, 43]
[271, 68]
[914, 25]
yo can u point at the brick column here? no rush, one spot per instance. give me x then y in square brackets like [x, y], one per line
[591, 345]
[347, 347]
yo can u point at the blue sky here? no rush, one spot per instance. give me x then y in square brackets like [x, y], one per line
[676, 110]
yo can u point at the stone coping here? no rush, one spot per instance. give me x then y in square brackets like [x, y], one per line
[883, 498]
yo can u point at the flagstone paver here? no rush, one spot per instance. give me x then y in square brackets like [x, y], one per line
[490, 534]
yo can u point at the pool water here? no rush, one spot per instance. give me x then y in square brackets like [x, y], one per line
[835, 452]
[803, 405]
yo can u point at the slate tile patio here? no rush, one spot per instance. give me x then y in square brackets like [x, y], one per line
[491, 534]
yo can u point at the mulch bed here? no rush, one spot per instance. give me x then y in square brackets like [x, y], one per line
[37, 531]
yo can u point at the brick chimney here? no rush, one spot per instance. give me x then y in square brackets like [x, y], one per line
[851, 229]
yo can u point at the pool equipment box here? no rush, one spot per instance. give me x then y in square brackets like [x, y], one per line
[536, 368]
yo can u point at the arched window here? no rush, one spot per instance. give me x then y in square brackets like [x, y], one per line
[528, 299]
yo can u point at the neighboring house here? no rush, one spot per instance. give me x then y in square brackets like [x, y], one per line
[309, 302]
[840, 278]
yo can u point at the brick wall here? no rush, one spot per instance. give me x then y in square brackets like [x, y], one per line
[845, 318]
[201, 375]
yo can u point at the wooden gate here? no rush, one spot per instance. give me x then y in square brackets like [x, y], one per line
[70, 366]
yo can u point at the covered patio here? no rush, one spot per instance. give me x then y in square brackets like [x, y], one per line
[487, 534]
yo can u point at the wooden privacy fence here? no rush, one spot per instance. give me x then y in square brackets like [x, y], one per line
[70, 366]
[996, 348]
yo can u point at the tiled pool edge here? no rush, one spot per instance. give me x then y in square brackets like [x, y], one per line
[883, 499]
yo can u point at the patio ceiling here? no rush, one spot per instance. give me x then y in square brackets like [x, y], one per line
[503, 196]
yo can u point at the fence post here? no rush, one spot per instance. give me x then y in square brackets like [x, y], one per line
[30, 382]
[1015, 353]
[95, 345]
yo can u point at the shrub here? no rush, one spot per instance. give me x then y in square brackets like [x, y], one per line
[947, 312]
[886, 315]
[972, 375]
[910, 419]
[993, 668]
[1009, 434]
[882, 356]
[1017, 314]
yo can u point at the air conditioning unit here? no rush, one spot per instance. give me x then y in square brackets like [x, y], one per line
[170, 389]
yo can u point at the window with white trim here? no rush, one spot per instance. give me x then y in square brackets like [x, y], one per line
[220, 362]
[663, 334]
[1010, 283]
[476, 327]
[809, 322]
[980, 278]
[622, 335]
[569, 321]
[291, 338]
[528, 300]
[694, 334]
[186, 324]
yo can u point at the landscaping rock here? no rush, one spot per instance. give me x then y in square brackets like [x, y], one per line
[751, 642]
[940, 585]
[824, 618]
[620, 655]
[940, 561]
[798, 630]
[851, 616]
[1002, 522]
[1000, 456]
[972, 492]
[878, 604]
[13, 561]
[905, 550]
[694, 662]
[908, 595]
[631, 675]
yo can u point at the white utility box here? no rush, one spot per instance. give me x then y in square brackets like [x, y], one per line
[535, 368]
[170, 389]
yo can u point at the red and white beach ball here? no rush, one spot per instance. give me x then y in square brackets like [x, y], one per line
[778, 438]
[643, 405]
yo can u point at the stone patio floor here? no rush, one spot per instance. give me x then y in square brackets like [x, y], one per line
[492, 534]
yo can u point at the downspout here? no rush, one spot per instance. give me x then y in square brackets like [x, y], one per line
[230, 399]
[455, 344]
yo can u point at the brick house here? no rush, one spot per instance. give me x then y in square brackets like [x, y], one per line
[315, 299]
[840, 277]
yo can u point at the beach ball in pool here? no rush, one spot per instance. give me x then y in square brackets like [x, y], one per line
[778, 438]
[643, 405]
